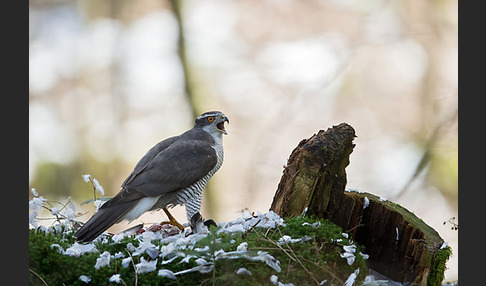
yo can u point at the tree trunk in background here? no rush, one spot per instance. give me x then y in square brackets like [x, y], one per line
[400, 245]
[208, 194]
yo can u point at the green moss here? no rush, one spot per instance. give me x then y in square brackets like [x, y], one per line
[302, 263]
[438, 268]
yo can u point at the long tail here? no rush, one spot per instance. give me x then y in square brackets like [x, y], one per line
[102, 220]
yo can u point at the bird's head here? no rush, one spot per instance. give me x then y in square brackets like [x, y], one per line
[212, 121]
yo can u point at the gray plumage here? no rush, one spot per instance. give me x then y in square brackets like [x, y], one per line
[174, 171]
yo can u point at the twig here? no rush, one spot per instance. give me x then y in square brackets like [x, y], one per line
[36, 274]
[325, 268]
[288, 269]
[357, 225]
[252, 227]
[301, 264]
[276, 244]
[133, 263]
[298, 260]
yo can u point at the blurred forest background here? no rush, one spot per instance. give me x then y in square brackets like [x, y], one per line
[110, 79]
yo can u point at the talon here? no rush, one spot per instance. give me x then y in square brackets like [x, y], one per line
[209, 223]
[197, 223]
[172, 220]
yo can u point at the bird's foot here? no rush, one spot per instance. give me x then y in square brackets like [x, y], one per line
[174, 223]
[172, 220]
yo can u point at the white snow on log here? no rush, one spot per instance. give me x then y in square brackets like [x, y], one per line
[444, 245]
[366, 202]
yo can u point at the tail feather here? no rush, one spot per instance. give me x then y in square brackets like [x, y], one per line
[102, 220]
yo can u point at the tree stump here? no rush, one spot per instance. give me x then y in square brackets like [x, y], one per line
[400, 245]
[315, 175]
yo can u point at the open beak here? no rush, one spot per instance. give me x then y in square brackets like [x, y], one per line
[220, 125]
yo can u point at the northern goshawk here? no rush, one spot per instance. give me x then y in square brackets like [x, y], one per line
[173, 172]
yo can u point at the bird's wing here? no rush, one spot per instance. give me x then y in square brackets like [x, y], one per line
[178, 166]
[142, 164]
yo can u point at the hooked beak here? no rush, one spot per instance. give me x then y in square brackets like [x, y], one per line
[220, 125]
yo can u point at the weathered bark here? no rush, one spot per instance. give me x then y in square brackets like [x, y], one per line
[400, 245]
[315, 175]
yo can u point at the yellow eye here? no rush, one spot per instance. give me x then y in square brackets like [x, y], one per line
[211, 119]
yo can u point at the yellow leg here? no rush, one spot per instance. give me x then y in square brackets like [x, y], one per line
[172, 220]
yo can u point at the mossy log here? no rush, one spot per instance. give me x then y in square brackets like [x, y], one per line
[401, 246]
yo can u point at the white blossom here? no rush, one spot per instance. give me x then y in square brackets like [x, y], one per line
[87, 177]
[36, 204]
[187, 258]
[103, 260]
[115, 278]
[145, 244]
[274, 279]
[130, 247]
[286, 238]
[242, 247]
[70, 212]
[349, 251]
[34, 192]
[98, 187]
[166, 273]
[232, 228]
[201, 261]
[98, 204]
[84, 278]
[126, 262]
[351, 278]
[315, 225]
[243, 271]
[119, 254]
[145, 266]
[285, 284]
[349, 257]
[350, 248]
[204, 268]
[305, 211]
[269, 260]
[33, 219]
[55, 211]
[365, 256]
